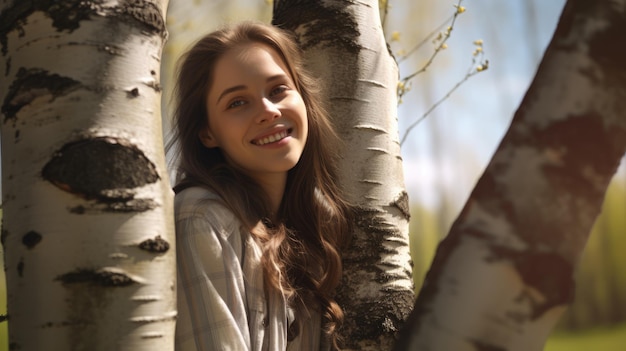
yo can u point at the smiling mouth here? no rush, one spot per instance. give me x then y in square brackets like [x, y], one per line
[272, 138]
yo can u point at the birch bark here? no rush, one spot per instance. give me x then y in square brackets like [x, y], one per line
[504, 274]
[87, 213]
[344, 45]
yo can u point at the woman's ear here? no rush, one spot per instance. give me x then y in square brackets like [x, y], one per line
[207, 139]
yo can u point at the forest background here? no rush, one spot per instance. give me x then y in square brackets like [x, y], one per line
[446, 152]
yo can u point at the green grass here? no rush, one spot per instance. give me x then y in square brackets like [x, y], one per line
[600, 339]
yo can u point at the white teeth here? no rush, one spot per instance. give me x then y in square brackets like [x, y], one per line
[272, 138]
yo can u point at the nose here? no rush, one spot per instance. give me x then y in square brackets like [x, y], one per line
[269, 111]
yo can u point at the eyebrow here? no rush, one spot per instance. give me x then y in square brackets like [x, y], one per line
[230, 90]
[242, 87]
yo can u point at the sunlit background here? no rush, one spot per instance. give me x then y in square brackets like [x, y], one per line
[445, 154]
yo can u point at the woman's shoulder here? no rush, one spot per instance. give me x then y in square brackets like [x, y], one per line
[195, 194]
[202, 202]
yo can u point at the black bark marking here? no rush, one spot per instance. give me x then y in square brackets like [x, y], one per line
[589, 152]
[373, 223]
[133, 93]
[159, 336]
[4, 317]
[152, 336]
[590, 155]
[134, 205]
[31, 239]
[90, 292]
[13, 17]
[402, 204]
[385, 316]
[603, 48]
[103, 169]
[31, 84]
[4, 234]
[20, 267]
[7, 67]
[65, 15]
[144, 13]
[70, 323]
[319, 23]
[100, 278]
[548, 273]
[156, 245]
[590, 145]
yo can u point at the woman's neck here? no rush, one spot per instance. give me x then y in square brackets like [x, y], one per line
[274, 186]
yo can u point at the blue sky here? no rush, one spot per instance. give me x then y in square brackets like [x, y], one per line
[446, 153]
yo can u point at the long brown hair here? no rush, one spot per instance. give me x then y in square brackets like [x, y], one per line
[304, 242]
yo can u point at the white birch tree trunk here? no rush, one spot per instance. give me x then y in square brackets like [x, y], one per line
[504, 274]
[87, 206]
[344, 45]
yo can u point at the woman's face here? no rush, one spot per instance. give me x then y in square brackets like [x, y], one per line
[255, 114]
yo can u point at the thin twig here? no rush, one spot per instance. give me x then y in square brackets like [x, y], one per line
[470, 73]
[441, 46]
[433, 107]
[425, 40]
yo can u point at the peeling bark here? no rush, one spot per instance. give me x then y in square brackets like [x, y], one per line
[344, 46]
[504, 274]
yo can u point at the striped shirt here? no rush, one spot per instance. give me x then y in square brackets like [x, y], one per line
[222, 304]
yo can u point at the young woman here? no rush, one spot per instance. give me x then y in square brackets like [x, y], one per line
[260, 221]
